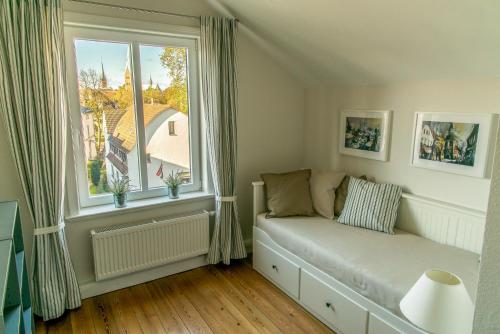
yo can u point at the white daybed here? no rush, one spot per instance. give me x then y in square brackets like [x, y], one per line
[352, 279]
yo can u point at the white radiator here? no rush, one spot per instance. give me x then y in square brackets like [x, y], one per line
[124, 249]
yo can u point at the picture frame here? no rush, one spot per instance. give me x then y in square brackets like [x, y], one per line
[365, 133]
[458, 143]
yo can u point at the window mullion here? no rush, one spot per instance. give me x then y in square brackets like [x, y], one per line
[139, 114]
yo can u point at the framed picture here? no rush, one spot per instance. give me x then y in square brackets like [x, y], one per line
[365, 133]
[454, 143]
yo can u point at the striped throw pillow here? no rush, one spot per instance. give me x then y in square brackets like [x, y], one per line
[371, 205]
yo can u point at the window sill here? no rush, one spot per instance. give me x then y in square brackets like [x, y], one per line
[137, 205]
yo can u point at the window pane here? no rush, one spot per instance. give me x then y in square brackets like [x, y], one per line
[107, 113]
[166, 115]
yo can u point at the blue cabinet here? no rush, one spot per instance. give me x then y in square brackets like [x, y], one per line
[15, 300]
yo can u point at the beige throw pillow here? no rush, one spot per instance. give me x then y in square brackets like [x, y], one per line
[288, 194]
[323, 185]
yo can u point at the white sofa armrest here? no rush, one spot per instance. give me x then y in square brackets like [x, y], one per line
[259, 199]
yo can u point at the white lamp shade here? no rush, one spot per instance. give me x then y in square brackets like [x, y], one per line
[439, 304]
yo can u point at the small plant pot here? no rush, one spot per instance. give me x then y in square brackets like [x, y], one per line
[173, 193]
[120, 200]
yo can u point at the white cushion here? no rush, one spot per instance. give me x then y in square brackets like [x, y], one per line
[323, 185]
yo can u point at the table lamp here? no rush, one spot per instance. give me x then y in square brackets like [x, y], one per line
[439, 304]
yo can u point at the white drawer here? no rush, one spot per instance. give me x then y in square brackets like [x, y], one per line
[379, 326]
[278, 269]
[335, 309]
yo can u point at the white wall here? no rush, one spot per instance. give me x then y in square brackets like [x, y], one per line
[270, 132]
[270, 123]
[487, 315]
[321, 138]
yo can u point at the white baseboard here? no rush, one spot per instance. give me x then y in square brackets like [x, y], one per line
[93, 288]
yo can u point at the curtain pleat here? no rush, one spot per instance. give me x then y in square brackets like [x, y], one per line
[33, 103]
[218, 61]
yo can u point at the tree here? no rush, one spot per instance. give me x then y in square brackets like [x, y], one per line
[123, 96]
[152, 95]
[95, 172]
[175, 60]
[93, 97]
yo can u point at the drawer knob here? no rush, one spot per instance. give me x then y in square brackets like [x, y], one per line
[275, 267]
[330, 306]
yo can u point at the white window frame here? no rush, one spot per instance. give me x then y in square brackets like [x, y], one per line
[135, 38]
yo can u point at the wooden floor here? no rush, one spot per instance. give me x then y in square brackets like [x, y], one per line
[212, 299]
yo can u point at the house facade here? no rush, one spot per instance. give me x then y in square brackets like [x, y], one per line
[88, 133]
[167, 143]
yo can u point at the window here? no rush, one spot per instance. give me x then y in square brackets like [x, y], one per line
[134, 100]
[171, 128]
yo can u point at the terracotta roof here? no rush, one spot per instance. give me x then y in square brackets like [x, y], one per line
[112, 118]
[125, 129]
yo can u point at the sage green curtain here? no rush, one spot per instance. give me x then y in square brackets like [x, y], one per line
[33, 104]
[218, 61]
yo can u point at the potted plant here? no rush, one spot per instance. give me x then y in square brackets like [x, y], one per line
[173, 181]
[120, 186]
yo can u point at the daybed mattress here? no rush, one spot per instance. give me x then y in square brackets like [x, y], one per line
[379, 266]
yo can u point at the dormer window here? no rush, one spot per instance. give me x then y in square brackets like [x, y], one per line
[171, 128]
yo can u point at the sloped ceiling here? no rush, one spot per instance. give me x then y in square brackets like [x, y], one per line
[376, 41]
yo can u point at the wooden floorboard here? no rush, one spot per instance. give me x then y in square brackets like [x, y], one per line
[212, 299]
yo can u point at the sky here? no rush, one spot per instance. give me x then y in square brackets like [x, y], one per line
[114, 57]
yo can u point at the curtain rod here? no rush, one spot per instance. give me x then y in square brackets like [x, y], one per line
[135, 9]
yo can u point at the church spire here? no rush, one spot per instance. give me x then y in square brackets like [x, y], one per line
[128, 77]
[150, 81]
[103, 80]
